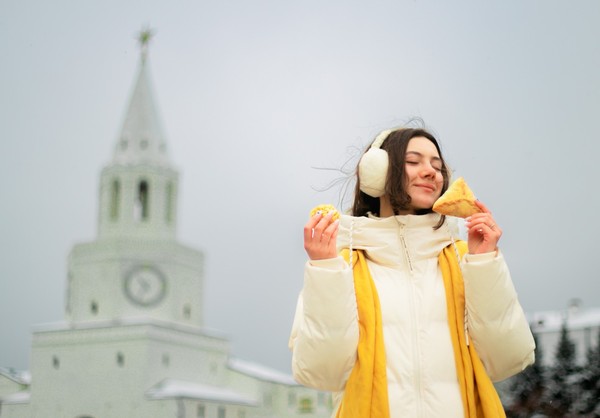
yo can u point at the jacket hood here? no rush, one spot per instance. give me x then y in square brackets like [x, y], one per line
[381, 238]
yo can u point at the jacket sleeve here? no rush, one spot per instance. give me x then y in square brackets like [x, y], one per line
[496, 322]
[324, 335]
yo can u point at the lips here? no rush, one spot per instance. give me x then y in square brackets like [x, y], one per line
[428, 187]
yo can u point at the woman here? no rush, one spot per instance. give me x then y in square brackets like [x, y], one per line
[413, 332]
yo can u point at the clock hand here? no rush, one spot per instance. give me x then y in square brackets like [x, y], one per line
[144, 284]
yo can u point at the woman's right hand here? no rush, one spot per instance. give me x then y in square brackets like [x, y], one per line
[320, 235]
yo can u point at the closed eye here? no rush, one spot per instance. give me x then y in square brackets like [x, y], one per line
[434, 166]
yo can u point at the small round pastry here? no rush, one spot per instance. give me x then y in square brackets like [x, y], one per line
[325, 209]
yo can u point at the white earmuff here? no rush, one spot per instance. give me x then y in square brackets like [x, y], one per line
[373, 167]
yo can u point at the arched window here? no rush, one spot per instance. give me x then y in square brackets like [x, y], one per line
[166, 360]
[306, 406]
[221, 412]
[142, 200]
[69, 287]
[187, 311]
[291, 398]
[120, 359]
[115, 197]
[201, 411]
[169, 202]
[214, 368]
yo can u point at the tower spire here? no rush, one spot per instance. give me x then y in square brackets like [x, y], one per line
[144, 38]
[142, 139]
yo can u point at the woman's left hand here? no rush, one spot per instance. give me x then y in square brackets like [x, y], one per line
[483, 233]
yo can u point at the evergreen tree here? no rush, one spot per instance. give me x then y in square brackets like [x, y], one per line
[527, 388]
[588, 403]
[561, 391]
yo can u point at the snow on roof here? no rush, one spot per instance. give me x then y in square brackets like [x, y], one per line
[14, 398]
[261, 372]
[20, 377]
[171, 388]
[551, 321]
[129, 321]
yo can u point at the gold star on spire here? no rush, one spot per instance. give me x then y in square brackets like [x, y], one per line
[144, 38]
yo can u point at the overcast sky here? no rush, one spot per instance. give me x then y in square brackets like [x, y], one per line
[253, 96]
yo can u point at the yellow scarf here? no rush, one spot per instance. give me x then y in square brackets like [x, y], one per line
[366, 394]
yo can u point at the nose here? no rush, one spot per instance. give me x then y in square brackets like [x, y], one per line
[428, 171]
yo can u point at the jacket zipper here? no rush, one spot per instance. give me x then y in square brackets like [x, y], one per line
[414, 319]
[406, 253]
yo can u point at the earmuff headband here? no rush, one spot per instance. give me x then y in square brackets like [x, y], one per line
[382, 136]
[373, 167]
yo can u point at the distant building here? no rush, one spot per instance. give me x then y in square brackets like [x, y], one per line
[583, 325]
[14, 386]
[133, 343]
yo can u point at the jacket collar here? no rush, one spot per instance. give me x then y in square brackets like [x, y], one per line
[396, 239]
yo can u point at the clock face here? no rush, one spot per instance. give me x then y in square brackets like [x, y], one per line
[145, 285]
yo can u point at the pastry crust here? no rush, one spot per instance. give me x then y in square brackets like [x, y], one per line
[325, 209]
[458, 200]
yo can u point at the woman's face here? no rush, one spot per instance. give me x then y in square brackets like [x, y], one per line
[424, 180]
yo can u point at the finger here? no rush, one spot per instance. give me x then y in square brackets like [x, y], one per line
[323, 244]
[335, 231]
[493, 227]
[480, 224]
[323, 223]
[332, 243]
[483, 207]
[329, 215]
[488, 223]
[489, 233]
[330, 233]
[483, 217]
[314, 220]
[309, 227]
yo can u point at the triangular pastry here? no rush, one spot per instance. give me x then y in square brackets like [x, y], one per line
[458, 200]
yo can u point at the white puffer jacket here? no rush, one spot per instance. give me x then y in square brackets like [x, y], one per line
[402, 253]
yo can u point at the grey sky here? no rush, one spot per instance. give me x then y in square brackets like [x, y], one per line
[252, 95]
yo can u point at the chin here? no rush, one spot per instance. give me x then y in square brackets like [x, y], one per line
[423, 206]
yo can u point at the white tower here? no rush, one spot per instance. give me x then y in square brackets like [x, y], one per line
[134, 300]
[133, 343]
[136, 268]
